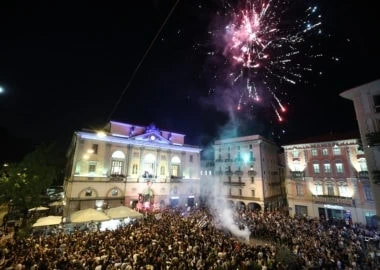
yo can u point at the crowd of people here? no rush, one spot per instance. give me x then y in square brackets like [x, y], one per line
[198, 239]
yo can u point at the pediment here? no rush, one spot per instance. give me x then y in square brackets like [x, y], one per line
[152, 137]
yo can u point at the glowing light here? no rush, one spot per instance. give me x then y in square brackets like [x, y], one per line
[90, 151]
[86, 156]
[1, 90]
[101, 134]
[265, 48]
[246, 157]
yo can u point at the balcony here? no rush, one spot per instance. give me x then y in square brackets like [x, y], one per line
[376, 176]
[297, 175]
[228, 173]
[251, 172]
[329, 199]
[218, 160]
[363, 175]
[175, 179]
[373, 138]
[239, 172]
[228, 160]
[117, 177]
[235, 184]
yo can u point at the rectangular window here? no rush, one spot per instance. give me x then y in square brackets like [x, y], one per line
[92, 167]
[299, 189]
[201, 172]
[250, 146]
[295, 153]
[325, 152]
[330, 190]
[316, 168]
[209, 172]
[343, 191]
[318, 189]
[239, 179]
[339, 167]
[327, 167]
[88, 193]
[253, 193]
[117, 167]
[134, 169]
[95, 148]
[376, 102]
[336, 151]
[191, 158]
[162, 170]
[230, 191]
[314, 152]
[301, 210]
[368, 193]
[240, 192]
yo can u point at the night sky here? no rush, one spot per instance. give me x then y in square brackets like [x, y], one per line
[65, 67]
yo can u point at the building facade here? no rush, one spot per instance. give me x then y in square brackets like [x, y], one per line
[249, 172]
[366, 99]
[328, 178]
[126, 164]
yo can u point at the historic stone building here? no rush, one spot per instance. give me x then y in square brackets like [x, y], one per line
[327, 177]
[125, 163]
[366, 101]
[250, 173]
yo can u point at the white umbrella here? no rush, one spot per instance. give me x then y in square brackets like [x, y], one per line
[88, 215]
[123, 212]
[38, 208]
[47, 221]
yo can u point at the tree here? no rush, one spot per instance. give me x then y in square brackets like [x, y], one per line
[23, 183]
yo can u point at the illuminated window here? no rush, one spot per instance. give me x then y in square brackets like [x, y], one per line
[316, 168]
[363, 165]
[327, 167]
[318, 189]
[336, 151]
[295, 152]
[209, 172]
[314, 152]
[339, 167]
[117, 163]
[343, 191]
[325, 152]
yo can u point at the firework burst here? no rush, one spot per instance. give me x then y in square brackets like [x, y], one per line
[267, 48]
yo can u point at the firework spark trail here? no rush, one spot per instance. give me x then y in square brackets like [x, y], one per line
[266, 49]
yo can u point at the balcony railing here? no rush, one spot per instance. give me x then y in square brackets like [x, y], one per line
[219, 160]
[297, 175]
[239, 172]
[363, 175]
[116, 177]
[329, 199]
[373, 138]
[231, 183]
[251, 172]
[228, 160]
[228, 173]
[175, 179]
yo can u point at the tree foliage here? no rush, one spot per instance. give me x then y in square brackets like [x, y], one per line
[26, 181]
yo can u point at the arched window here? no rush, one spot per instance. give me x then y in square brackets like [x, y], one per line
[176, 166]
[149, 166]
[117, 163]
